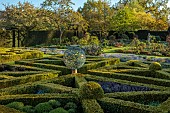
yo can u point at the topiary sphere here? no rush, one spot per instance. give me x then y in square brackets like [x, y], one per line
[74, 57]
[58, 110]
[70, 105]
[155, 66]
[28, 109]
[43, 107]
[71, 111]
[54, 103]
[91, 90]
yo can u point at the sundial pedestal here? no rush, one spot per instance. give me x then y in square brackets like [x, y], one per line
[74, 71]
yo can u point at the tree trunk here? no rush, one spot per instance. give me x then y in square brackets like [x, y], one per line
[13, 38]
[61, 34]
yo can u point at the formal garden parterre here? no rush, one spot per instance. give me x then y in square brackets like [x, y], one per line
[123, 66]
[102, 85]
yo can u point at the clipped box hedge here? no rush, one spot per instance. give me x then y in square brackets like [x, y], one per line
[120, 106]
[37, 88]
[94, 65]
[79, 80]
[54, 62]
[66, 80]
[91, 106]
[28, 78]
[64, 70]
[32, 99]
[148, 73]
[23, 55]
[30, 68]
[19, 73]
[127, 82]
[133, 78]
[142, 97]
[4, 109]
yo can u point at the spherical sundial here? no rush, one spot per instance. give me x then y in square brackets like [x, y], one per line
[74, 58]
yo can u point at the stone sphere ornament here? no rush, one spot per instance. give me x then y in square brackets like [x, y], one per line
[74, 58]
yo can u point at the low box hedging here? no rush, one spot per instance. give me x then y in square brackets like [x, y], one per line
[133, 78]
[24, 55]
[66, 80]
[165, 105]
[27, 88]
[79, 80]
[2, 77]
[37, 88]
[94, 65]
[19, 73]
[136, 63]
[57, 88]
[91, 106]
[120, 106]
[36, 68]
[4, 109]
[63, 69]
[34, 99]
[29, 78]
[54, 62]
[120, 66]
[99, 78]
[148, 73]
[141, 97]
[167, 70]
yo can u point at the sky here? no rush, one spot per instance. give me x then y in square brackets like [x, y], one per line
[37, 3]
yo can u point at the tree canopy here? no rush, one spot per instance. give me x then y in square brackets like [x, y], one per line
[100, 15]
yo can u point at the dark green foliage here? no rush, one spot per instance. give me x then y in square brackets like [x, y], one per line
[58, 110]
[155, 66]
[71, 111]
[43, 107]
[136, 63]
[70, 105]
[92, 49]
[28, 109]
[54, 103]
[91, 90]
[16, 105]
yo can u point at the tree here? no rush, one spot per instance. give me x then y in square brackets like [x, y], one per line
[156, 8]
[76, 21]
[60, 10]
[23, 16]
[97, 13]
[124, 20]
[133, 16]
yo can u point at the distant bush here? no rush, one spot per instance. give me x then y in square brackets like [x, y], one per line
[92, 50]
